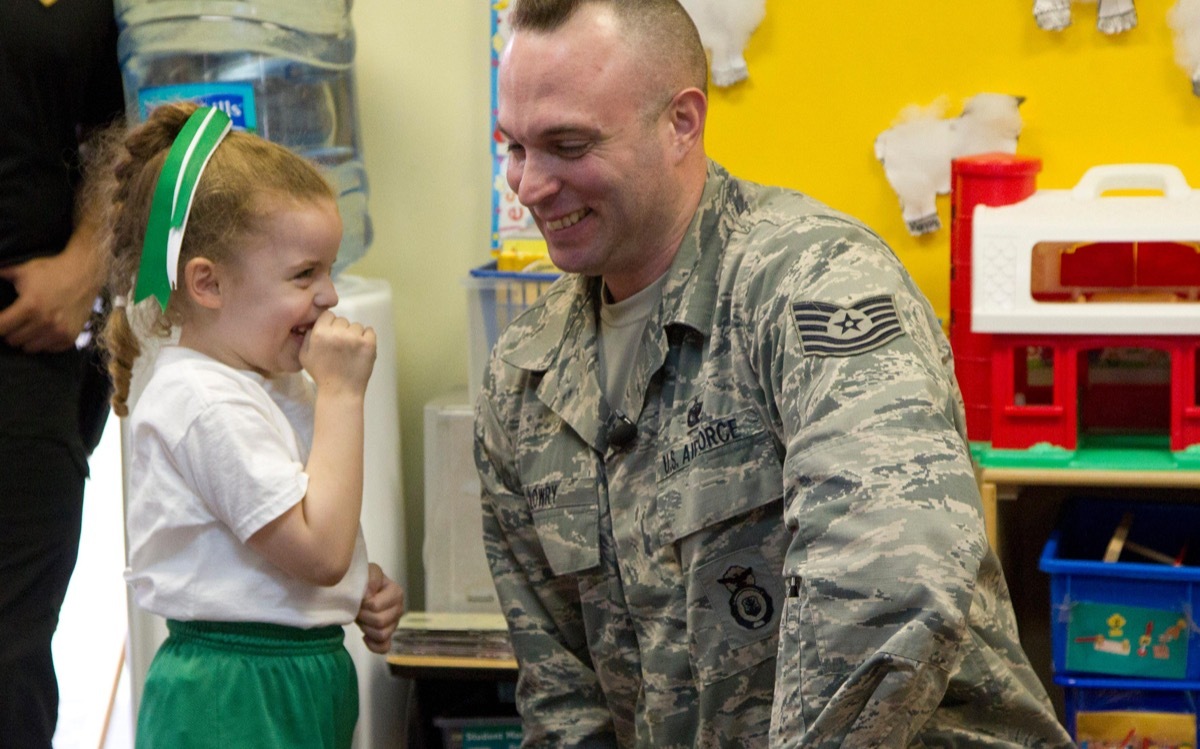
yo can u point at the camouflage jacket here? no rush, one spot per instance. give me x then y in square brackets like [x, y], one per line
[791, 551]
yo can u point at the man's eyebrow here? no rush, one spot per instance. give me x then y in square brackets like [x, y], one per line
[555, 132]
[569, 130]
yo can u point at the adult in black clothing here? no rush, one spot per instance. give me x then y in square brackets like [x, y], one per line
[59, 78]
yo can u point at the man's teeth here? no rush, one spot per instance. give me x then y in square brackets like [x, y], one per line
[568, 220]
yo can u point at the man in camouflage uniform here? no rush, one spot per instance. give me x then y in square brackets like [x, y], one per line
[754, 521]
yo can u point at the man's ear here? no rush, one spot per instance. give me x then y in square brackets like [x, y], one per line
[687, 113]
[201, 282]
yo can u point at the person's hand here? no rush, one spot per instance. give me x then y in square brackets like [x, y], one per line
[338, 354]
[55, 296]
[381, 608]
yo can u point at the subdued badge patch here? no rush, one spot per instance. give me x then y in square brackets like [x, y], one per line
[744, 592]
[832, 330]
[750, 605]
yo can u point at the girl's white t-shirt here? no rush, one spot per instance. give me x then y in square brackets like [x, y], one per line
[217, 453]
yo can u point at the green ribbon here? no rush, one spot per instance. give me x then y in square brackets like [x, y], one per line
[173, 194]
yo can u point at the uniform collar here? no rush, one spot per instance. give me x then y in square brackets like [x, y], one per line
[690, 295]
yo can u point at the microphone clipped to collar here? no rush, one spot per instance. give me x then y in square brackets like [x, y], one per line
[621, 431]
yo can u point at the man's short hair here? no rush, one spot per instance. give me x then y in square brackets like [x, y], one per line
[661, 30]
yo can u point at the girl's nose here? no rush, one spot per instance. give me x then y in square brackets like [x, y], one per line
[327, 295]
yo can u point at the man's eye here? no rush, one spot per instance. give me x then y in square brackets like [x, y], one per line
[573, 149]
[516, 149]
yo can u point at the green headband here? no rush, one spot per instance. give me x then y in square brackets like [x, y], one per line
[173, 194]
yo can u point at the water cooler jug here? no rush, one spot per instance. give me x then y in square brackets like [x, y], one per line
[280, 68]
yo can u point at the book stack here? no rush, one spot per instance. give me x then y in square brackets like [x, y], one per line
[477, 637]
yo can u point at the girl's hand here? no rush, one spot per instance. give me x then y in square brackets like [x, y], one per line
[338, 354]
[381, 608]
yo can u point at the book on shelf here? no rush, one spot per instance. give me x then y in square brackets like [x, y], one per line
[448, 634]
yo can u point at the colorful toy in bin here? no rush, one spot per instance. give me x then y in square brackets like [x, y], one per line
[524, 255]
[1120, 543]
[1075, 314]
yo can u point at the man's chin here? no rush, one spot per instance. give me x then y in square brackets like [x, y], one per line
[569, 261]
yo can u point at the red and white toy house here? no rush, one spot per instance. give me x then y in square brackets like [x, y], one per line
[1072, 311]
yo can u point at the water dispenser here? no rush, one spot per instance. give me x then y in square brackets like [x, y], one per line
[280, 68]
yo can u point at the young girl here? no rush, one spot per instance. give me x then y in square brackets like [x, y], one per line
[246, 476]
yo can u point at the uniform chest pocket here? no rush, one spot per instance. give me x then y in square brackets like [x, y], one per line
[722, 468]
[723, 512]
[566, 516]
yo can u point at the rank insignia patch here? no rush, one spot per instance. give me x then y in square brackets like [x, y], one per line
[831, 330]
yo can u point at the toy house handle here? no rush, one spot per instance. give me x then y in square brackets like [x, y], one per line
[1169, 179]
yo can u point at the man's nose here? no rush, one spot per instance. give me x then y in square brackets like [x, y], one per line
[535, 180]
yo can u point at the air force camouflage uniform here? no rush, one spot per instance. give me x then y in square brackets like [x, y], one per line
[791, 548]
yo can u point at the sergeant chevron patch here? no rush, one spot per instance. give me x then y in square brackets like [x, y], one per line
[831, 330]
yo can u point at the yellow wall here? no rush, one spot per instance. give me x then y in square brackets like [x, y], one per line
[826, 78]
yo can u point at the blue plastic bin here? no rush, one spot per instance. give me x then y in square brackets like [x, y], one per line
[1123, 695]
[1081, 585]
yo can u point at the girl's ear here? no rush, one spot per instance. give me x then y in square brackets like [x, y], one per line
[202, 283]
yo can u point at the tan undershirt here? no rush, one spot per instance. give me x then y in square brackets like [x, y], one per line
[621, 326]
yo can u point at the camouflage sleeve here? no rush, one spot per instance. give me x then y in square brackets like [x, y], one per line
[880, 493]
[558, 694]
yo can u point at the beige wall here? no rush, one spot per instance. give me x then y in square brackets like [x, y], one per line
[423, 99]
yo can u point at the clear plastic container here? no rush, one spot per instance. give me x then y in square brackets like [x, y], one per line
[494, 299]
[280, 68]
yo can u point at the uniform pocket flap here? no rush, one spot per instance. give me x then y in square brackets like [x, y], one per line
[569, 528]
[725, 467]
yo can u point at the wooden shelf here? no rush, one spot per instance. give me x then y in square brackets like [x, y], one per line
[438, 661]
[997, 484]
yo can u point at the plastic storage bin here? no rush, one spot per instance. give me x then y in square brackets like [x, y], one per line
[457, 577]
[494, 299]
[1158, 712]
[1132, 617]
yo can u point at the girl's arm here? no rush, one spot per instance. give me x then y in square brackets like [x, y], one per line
[314, 540]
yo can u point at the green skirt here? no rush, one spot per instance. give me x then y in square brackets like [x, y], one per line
[232, 685]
